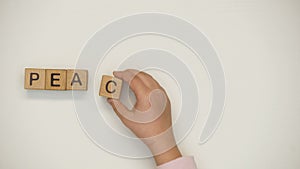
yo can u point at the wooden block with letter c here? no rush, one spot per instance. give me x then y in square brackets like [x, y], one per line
[110, 87]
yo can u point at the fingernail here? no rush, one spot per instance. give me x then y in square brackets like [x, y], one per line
[116, 73]
[109, 100]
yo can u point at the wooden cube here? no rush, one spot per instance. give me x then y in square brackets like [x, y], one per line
[56, 79]
[110, 87]
[77, 79]
[34, 79]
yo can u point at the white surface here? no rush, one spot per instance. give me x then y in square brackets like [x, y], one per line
[258, 43]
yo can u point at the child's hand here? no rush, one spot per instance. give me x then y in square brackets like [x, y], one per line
[150, 119]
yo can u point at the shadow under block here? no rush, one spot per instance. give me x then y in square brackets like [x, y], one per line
[77, 79]
[110, 87]
[34, 79]
[56, 79]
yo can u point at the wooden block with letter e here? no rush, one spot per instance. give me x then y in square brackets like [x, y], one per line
[110, 87]
[77, 79]
[56, 79]
[34, 79]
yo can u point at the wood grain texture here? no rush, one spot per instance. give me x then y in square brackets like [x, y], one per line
[77, 79]
[56, 79]
[34, 79]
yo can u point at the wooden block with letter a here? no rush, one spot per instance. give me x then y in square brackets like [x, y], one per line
[77, 79]
[34, 79]
[56, 79]
[110, 87]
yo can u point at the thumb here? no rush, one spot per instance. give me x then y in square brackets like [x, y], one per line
[119, 108]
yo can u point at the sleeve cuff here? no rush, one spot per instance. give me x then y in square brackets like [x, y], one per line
[180, 163]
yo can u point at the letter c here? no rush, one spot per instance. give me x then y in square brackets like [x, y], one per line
[106, 86]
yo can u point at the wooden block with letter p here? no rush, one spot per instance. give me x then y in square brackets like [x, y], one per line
[56, 79]
[110, 87]
[34, 79]
[77, 79]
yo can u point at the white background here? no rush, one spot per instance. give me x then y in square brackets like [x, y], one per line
[258, 43]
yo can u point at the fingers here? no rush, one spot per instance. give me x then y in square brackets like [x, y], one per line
[135, 83]
[147, 79]
[118, 108]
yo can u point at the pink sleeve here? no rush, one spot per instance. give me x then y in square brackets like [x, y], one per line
[180, 163]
